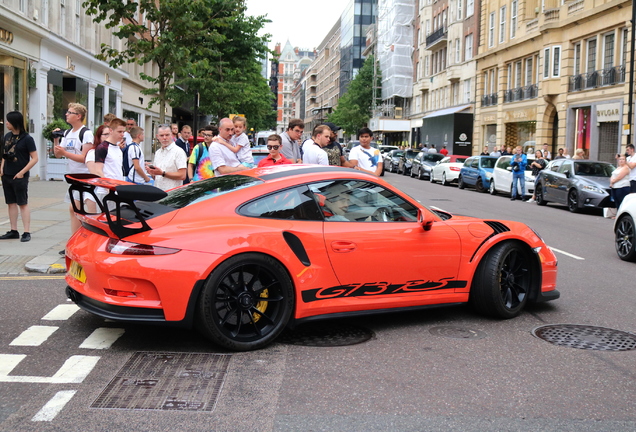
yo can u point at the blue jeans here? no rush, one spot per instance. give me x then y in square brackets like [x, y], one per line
[522, 184]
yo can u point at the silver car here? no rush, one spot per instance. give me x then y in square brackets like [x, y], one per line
[575, 183]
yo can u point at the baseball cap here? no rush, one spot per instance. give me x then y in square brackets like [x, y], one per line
[332, 126]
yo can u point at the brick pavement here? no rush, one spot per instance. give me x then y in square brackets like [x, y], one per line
[50, 229]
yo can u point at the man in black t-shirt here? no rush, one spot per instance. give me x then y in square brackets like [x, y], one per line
[18, 157]
[334, 149]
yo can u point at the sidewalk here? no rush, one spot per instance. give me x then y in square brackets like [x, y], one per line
[50, 229]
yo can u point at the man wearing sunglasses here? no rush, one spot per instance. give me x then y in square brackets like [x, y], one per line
[274, 145]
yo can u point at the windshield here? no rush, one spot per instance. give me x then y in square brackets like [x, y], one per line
[206, 189]
[433, 157]
[488, 162]
[410, 154]
[594, 169]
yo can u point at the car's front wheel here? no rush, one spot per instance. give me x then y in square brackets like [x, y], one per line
[460, 183]
[502, 282]
[480, 185]
[573, 201]
[444, 181]
[491, 188]
[626, 238]
[246, 302]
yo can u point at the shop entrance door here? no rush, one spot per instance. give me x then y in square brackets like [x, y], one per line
[608, 142]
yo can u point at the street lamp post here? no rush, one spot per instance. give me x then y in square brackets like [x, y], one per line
[630, 113]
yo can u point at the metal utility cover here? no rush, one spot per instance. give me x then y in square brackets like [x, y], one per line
[166, 381]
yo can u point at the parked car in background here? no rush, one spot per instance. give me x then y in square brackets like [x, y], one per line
[406, 161]
[501, 181]
[392, 160]
[384, 149]
[625, 229]
[575, 183]
[423, 163]
[477, 172]
[446, 171]
[259, 153]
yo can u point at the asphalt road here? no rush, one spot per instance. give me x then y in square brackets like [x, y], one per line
[437, 369]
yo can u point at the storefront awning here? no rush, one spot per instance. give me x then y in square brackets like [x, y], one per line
[451, 110]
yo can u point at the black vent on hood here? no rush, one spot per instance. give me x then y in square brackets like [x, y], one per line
[497, 227]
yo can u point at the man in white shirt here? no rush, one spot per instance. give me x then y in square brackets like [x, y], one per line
[76, 142]
[313, 152]
[170, 164]
[363, 156]
[108, 156]
[223, 159]
[130, 123]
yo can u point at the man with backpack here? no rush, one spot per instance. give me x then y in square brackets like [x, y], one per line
[76, 142]
[133, 158]
[199, 165]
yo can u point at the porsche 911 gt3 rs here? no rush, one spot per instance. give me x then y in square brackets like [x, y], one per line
[242, 256]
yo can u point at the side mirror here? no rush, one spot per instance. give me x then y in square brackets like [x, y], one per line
[425, 219]
[509, 168]
[567, 173]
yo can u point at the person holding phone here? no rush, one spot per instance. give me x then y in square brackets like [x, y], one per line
[518, 164]
[170, 164]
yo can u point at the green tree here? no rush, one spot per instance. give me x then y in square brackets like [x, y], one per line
[354, 108]
[183, 39]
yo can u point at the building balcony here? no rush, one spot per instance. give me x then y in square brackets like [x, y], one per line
[521, 93]
[551, 15]
[436, 39]
[489, 100]
[600, 78]
[454, 72]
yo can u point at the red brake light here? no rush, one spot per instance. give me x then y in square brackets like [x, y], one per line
[120, 247]
[455, 168]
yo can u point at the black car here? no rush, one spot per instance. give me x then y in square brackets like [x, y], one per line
[423, 163]
[392, 160]
[406, 161]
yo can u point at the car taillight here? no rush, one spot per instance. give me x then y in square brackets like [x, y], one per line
[455, 168]
[120, 247]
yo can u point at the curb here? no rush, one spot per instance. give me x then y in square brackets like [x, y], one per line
[51, 264]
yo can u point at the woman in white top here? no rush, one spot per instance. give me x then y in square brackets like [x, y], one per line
[619, 181]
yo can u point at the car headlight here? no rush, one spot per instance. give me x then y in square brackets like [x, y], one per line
[529, 180]
[426, 167]
[594, 189]
[488, 175]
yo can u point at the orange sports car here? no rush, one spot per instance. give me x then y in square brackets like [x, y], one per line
[242, 256]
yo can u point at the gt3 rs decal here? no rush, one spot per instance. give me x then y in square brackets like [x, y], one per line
[371, 289]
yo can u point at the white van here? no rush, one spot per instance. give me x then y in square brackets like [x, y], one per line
[261, 137]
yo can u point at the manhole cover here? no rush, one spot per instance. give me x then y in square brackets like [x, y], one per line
[326, 335]
[586, 337]
[457, 332]
[166, 381]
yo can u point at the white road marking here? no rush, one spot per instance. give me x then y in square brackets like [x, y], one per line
[54, 406]
[34, 336]
[102, 338]
[61, 312]
[74, 370]
[567, 254]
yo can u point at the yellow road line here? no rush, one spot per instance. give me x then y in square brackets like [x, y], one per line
[31, 277]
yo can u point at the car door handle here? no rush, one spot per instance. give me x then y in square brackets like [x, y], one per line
[343, 246]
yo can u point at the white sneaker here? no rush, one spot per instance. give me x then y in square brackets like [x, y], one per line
[531, 200]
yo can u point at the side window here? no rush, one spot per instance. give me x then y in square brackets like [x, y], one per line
[475, 163]
[360, 201]
[555, 166]
[503, 163]
[296, 204]
[467, 162]
[565, 166]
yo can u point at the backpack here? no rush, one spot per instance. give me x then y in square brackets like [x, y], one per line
[125, 161]
[199, 149]
[81, 133]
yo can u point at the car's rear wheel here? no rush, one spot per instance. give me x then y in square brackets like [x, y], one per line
[411, 173]
[444, 181]
[246, 302]
[573, 201]
[404, 170]
[491, 188]
[625, 238]
[480, 185]
[502, 282]
[538, 195]
[460, 183]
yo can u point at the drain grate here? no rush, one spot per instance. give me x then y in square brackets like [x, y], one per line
[586, 337]
[457, 332]
[166, 381]
[326, 335]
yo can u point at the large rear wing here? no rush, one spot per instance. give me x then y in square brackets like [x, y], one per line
[120, 205]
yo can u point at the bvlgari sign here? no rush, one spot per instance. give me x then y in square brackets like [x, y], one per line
[610, 112]
[6, 36]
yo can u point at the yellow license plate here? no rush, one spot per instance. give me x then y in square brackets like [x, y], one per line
[77, 272]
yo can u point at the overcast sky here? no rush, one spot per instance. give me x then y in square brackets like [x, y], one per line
[304, 22]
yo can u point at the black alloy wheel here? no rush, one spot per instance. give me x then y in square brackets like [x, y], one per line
[625, 238]
[502, 282]
[480, 185]
[246, 302]
[460, 183]
[573, 201]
